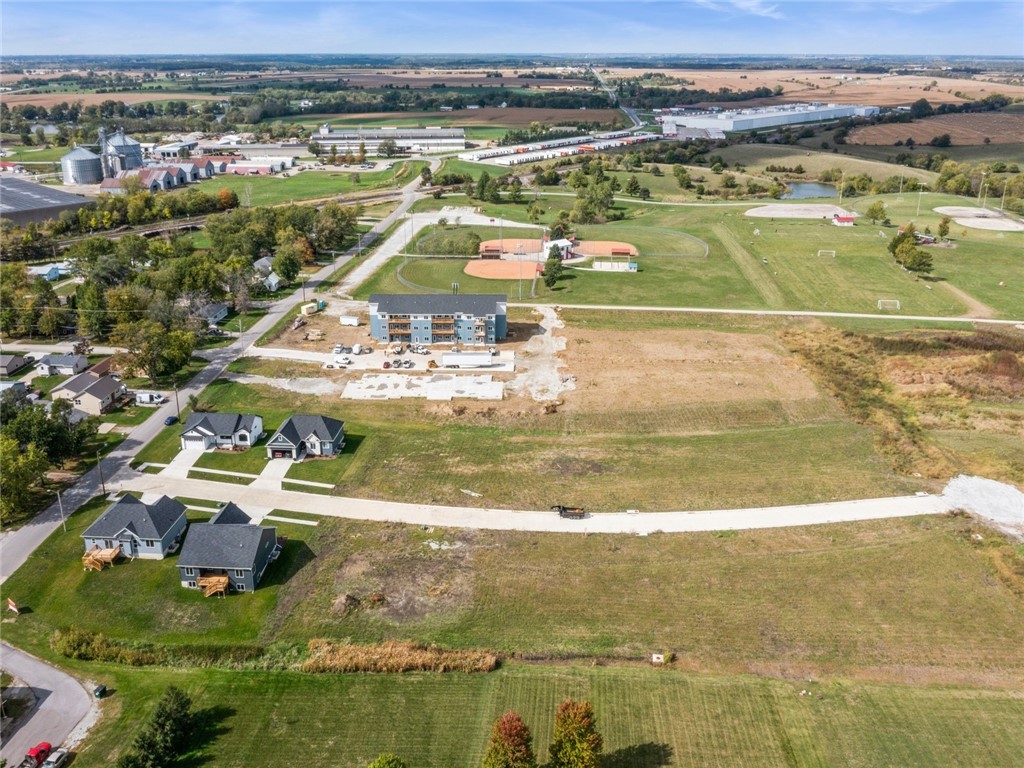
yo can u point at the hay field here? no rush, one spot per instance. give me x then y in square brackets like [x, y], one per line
[998, 127]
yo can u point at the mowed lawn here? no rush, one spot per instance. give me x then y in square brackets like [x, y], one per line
[762, 453]
[311, 185]
[648, 718]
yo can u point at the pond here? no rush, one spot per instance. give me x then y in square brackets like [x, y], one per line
[800, 190]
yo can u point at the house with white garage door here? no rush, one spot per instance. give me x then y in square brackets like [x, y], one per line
[204, 431]
[304, 435]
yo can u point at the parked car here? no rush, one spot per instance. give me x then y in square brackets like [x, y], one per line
[338, 349]
[35, 756]
[343, 360]
[170, 420]
[58, 759]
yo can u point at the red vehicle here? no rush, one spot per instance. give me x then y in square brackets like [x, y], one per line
[35, 756]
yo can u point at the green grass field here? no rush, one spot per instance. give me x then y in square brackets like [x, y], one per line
[648, 718]
[891, 626]
[311, 185]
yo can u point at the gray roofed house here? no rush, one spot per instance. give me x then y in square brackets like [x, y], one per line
[230, 550]
[307, 434]
[65, 365]
[22, 201]
[213, 313]
[203, 431]
[264, 265]
[142, 530]
[11, 363]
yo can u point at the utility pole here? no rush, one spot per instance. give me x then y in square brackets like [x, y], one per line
[981, 186]
[176, 406]
[61, 505]
[99, 466]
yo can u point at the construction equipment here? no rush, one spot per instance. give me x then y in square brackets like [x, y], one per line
[574, 513]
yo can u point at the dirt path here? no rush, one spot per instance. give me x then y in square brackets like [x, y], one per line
[975, 308]
[757, 274]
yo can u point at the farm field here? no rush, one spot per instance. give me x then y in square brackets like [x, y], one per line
[821, 85]
[983, 153]
[52, 98]
[997, 127]
[311, 185]
[510, 117]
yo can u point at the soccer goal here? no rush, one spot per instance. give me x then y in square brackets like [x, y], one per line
[826, 252]
[888, 303]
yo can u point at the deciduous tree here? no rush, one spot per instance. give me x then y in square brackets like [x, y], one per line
[576, 742]
[511, 744]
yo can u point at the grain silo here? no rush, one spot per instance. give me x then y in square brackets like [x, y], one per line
[126, 148]
[80, 166]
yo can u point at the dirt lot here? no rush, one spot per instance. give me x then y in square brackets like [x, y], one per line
[998, 127]
[617, 370]
[817, 85]
[52, 99]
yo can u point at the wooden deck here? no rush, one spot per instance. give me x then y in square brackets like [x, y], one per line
[97, 559]
[212, 585]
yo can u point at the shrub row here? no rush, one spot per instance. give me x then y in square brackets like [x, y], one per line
[78, 643]
[328, 656]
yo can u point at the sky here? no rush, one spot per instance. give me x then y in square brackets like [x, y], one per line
[916, 27]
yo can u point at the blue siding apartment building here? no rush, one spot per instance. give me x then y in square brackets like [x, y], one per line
[472, 318]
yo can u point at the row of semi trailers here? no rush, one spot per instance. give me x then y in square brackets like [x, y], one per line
[547, 150]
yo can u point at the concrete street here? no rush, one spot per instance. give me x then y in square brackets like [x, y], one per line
[62, 703]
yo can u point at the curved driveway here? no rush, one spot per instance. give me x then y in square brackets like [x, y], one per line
[61, 704]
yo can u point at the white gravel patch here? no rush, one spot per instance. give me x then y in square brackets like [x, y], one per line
[981, 218]
[798, 211]
[539, 376]
[440, 386]
[999, 503]
[304, 385]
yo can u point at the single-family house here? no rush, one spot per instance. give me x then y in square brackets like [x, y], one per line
[213, 313]
[50, 272]
[229, 553]
[307, 434]
[17, 386]
[221, 430]
[272, 282]
[11, 363]
[147, 531]
[61, 365]
[90, 393]
[264, 265]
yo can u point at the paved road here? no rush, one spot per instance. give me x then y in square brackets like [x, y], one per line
[530, 520]
[61, 704]
[780, 313]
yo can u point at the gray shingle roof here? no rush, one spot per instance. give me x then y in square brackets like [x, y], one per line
[476, 304]
[219, 423]
[230, 514]
[300, 426]
[147, 521]
[6, 360]
[225, 546]
[68, 359]
[97, 386]
[264, 265]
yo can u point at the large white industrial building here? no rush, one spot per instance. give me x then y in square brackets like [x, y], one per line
[407, 139]
[766, 117]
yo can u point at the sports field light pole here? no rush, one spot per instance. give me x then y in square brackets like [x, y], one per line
[981, 186]
[919, 193]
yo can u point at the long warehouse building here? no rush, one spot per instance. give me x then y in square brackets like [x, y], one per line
[768, 117]
[406, 139]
